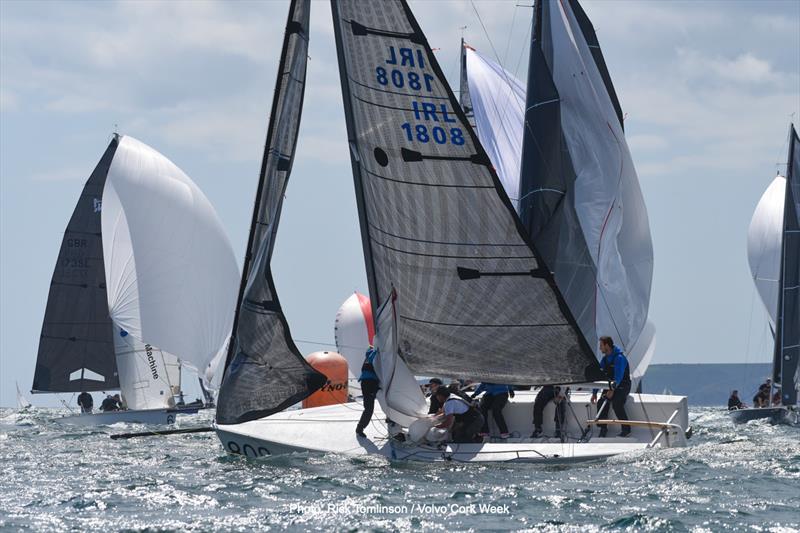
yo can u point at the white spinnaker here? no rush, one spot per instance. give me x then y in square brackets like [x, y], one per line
[144, 377]
[171, 275]
[498, 102]
[641, 353]
[352, 331]
[608, 199]
[764, 241]
[400, 396]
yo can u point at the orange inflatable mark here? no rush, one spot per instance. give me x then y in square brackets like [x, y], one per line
[334, 366]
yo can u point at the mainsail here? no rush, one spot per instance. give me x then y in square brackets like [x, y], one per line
[475, 300]
[786, 362]
[497, 100]
[265, 372]
[76, 348]
[579, 194]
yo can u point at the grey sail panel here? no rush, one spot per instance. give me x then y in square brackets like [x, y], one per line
[76, 346]
[265, 372]
[580, 198]
[473, 299]
[787, 338]
[463, 93]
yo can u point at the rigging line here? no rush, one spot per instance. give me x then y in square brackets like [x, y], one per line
[510, 33]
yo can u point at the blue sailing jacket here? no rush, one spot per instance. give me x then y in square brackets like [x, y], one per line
[617, 363]
[367, 369]
[492, 389]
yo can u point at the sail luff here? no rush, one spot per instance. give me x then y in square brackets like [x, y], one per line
[443, 230]
[265, 371]
[463, 94]
[786, 357]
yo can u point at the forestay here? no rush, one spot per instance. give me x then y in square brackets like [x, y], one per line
[474, 300]
[787, 330]
[76, 346]
[169, 266]
[497, 100]
[579, 194]
[764, 239]
[265, 372]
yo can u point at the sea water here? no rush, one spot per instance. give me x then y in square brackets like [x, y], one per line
[54, 478]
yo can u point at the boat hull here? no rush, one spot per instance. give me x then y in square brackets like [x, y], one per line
[331, 429]
[776, 415]
[132, 416]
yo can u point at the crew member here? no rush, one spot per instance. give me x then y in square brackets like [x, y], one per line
[761, 399]
[86, 402]
[543, 397]
[369, 389]
[462, 418]
[495, 397]
[617, 370]
[734, 402]
[433, 385]
[109, 404]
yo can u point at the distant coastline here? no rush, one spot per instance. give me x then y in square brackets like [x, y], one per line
[706, 383]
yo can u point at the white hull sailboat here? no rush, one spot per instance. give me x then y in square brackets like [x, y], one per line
[461, 283]
[143, 261]
[657, 422]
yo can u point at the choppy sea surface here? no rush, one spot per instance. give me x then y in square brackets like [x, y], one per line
[54, 478]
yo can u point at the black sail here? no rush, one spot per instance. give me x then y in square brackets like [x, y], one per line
[474, 298]
[265, 372]
[76, 347]
[786, 365]
[580, 199]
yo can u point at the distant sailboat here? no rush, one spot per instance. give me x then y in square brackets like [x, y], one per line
[143, 262]
[457, 288]
[773, 249]
[22, 401]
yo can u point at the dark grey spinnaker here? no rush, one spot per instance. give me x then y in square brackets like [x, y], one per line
[580, 199]
[76, 346]
[786, 361]
[264, 371]
[474, 298]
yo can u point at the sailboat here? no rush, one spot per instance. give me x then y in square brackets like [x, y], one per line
[456, 285]
[773, 249]
[141, 289]
[22, 401]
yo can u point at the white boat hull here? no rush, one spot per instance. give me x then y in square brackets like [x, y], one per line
[133, 416]
[331, 429]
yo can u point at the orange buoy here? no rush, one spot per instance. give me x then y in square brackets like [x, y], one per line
[334, 366]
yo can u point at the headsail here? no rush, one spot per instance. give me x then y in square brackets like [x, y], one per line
[579, 194]
[76, 348]
[474, 298]
[265, 372]
[145, 379]
[170, 268]
[497, 100]
[764, 238]
[786, 363]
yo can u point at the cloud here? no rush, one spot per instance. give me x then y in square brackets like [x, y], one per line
[744, 68]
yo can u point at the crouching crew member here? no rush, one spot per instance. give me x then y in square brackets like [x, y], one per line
[462, 418]
[495, 397]
[545, 395]
[618, 373]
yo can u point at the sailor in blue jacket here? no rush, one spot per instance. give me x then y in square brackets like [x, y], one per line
[617, 370]
[369, 389]
[494, 399]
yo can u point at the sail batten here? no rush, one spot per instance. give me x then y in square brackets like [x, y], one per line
[265, 371]
[426, 240]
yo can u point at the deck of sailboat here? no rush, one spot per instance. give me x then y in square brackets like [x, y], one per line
[331, 429]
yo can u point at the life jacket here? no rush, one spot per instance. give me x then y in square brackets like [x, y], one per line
[609, 370]
[367, 367]
[467, 415]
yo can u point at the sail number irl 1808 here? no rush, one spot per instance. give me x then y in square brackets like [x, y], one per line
[432, 121]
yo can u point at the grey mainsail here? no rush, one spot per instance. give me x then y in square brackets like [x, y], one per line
[463, 94]
[475, 300]
[76, 347]
[580, 198]
[787, 331]
[264, 371]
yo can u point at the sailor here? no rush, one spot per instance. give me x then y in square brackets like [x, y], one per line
[109, 404]
[495, 397]
[433, 385]
[462, 418]
[369, 389]
[456, 387]
[761, 399]
[118, 401]
[545, 395]
[734, 402]
[617, 370]
[86, 402]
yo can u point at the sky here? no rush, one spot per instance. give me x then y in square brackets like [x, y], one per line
[708, 89]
